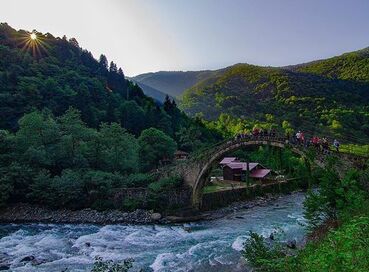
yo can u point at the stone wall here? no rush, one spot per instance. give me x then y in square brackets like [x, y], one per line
[219, 199]
[168, 200]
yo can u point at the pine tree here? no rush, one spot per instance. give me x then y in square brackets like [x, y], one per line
[103, 61]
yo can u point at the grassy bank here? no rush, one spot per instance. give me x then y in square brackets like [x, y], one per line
[338, 224]
[360, 150]
[343, 249]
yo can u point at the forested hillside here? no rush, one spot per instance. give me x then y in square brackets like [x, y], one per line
[73, 129]
[349, 66]
[54, 74]
[330, 97]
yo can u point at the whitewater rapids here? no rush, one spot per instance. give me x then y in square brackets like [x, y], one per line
[202, 246]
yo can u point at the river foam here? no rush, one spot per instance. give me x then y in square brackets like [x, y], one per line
[202, 246]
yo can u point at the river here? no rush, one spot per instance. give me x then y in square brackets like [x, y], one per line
[200, 246]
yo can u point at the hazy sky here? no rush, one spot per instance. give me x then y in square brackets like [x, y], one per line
[152, 35]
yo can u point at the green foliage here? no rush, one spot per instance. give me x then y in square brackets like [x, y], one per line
[68, 76]
[14, 181]
[60, 162]
[158, 191]
[120, 149]
[314, 100]
[139, 180]
[131, 203]
[155, 146]
[344, 249]
[165, 184]
[335, 198]
[71, 123]
[349, 66]
[268, 258]
[361, 150]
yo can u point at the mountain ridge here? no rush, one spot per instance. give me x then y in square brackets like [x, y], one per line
[158, 80]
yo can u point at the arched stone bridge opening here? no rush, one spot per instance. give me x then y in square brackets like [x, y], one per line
[196, 171]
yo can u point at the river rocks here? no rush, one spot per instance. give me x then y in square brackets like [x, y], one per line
[33, 260]
[27, 259]
[22, 213]
[156, 216]
[187, 228]
[271, 236]
[291, 244]
[4, 267]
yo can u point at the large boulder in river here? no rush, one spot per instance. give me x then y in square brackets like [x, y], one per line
[291, 244]
[155, 216]
[4, 267]
[28, 259]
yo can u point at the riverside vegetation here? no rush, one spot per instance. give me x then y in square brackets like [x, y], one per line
[338, 220]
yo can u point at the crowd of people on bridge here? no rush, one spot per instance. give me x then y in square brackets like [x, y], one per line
[258, 132]
[322, 144]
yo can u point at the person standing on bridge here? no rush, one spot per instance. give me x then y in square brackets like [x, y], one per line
[336, 144]
[325, 145]
[302, 139]
[255, 132]
[298, 134]
[316, 142]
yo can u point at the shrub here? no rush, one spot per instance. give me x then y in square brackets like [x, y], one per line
[131, 204]
[165, 184]
[139, 180]
[264, 257]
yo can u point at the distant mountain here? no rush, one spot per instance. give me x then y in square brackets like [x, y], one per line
[331, 93]
[171, 83]
[152, 92]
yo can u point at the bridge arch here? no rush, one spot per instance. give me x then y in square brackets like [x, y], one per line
[204, 169]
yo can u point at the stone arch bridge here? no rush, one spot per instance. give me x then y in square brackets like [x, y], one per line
[196, 170]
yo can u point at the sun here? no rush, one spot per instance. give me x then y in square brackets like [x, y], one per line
[34, 42]
[33, 36]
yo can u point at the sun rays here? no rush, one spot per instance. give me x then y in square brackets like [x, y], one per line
[33, 43]
[33, 36]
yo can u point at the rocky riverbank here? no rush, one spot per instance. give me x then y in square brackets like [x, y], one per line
[266, 200]
[26, 213]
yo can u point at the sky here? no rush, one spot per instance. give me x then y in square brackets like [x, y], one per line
[160, 35]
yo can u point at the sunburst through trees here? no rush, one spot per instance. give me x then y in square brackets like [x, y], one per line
[34, 43]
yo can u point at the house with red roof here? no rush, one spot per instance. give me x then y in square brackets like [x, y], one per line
[227, 160]
[234, 170]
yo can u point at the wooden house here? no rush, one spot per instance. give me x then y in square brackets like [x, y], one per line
[237, 171]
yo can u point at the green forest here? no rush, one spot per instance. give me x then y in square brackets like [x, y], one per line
[73, 128]
[328, 97]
